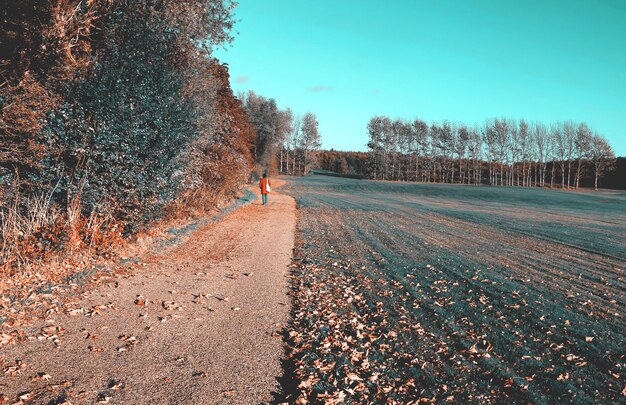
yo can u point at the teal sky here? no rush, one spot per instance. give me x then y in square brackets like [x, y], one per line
[347, 60]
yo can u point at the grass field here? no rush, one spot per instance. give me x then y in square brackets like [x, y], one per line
[465, 294]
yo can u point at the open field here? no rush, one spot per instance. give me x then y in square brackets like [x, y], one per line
[458, 293]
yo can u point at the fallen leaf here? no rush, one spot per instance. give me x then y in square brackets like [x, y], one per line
[49, 330]
[5, 339]
[76, 311]
[354, 377]
[229, 393]
[563, 377]
[41, 376]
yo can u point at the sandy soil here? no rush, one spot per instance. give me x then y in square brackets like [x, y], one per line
[197, 324]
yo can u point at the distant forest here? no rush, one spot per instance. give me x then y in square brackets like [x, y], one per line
[500, 152]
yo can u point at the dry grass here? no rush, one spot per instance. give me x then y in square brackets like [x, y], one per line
[20, 222]
[34, 230]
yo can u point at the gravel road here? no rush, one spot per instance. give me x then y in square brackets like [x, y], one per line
[198, 324]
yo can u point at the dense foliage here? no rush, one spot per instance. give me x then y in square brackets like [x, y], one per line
[112, 112]
[344, 163]
[616, 178]
[271, 125]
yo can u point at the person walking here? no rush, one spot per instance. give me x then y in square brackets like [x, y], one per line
[265, 186]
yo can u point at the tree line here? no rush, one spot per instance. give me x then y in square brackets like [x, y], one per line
[112, 114]
[501, 151]
[354, 164]
[285, 142]
[115, 113]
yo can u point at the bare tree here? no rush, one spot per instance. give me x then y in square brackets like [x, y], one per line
[403, 132]
[583, 146]
[377, 127]
[476, 154]
[569, 139]
[291, 144]
[532, 159]
[542, 141]
[560, 149]
[419, 142]
[285, 139]
[513, 152]
[502, 142]
[393, 141]
[524, 140]
[490, 138]
[462, 141]
[601, 155]
[445, 143]
[311, 140]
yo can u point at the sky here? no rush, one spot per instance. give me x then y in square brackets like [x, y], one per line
[465, 61]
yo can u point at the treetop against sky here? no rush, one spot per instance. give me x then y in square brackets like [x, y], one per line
[459, 60]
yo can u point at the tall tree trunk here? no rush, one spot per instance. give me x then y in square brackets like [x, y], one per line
[452, 170]
[569, 172]
[417, 164]
[476, 172]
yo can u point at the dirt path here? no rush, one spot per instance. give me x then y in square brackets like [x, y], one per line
[207, 333]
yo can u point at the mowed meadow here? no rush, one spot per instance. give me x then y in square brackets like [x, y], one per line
[467, 294]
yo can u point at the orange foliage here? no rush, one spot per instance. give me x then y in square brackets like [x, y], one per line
[227, 105]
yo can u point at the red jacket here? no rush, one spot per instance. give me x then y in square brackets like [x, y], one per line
[263, 183]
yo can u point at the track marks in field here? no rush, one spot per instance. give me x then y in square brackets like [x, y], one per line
[503, 306]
